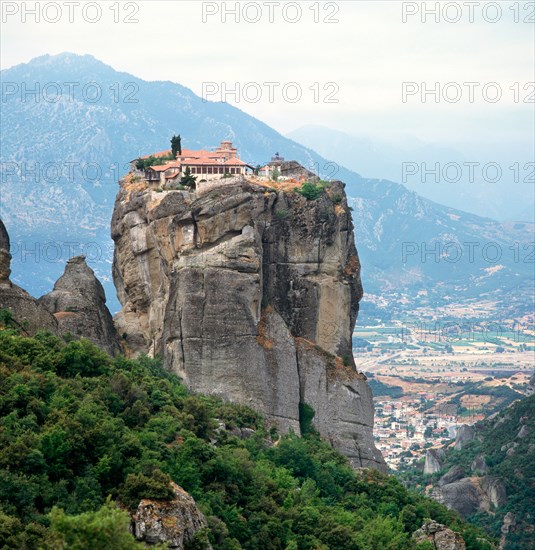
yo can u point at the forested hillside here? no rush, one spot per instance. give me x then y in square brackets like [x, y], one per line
[79, 427]
[501, 452]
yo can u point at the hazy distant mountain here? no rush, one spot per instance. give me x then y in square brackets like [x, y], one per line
[503, 200]
[52, 216]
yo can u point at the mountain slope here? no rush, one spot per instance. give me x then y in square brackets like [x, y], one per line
[78, 426]
[456, 186]
[90, 143]
[490, 478]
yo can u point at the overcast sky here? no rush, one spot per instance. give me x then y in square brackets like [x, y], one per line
[358, 53]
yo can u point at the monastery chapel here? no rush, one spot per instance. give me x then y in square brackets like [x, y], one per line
[204, 165]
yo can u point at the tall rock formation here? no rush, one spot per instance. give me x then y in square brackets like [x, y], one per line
[432, 461]
[465, 434]
[27, 313]
[78, 302]
[77, 305]
[249, 292]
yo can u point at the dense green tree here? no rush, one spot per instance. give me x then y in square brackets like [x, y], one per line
[188, 180]
[311, 191]
[105, 528]
[176, 145]
[138, 486]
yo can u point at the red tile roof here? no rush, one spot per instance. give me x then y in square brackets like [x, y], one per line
[197, 158]
[157, 155]
[234, 162]
[211, 161]
[162, 167]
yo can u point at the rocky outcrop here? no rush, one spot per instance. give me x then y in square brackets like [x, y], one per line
[433, 461]
[440, 536]
[507, 528]
[27, 314]
[173, 522]
[453, 474]
[479, 465]
[471, 494]
[78, 302]
[250, 293]
[464, 435]
[494, 490]
[462, 495]
[495, 465]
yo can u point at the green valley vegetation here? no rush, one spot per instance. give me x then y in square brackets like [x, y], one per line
[82, 431]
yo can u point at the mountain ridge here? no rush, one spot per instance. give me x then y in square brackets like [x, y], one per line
[110, 133]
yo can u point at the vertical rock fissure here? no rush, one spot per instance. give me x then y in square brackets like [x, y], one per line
[182, 340]
[203, 302]
[195, 228]
[300, 387]
[319, 249]
[298, 374]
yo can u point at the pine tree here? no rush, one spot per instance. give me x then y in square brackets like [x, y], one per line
[176, 145]
[187, 179]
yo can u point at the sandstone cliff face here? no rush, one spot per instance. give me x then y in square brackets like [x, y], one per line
[250, 293]
[27, 313]
[78, 302]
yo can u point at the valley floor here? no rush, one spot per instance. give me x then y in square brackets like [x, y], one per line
[426, 385]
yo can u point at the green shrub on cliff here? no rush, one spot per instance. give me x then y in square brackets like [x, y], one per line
[311, 191]
[79, 426]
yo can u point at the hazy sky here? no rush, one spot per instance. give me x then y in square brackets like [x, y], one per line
[356, 52]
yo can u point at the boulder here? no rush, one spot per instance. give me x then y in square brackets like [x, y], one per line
[462, 495]
[523, 432]
[440, 536]
[494, 489]
[479, 465]
[173, 522]
[5, 254]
